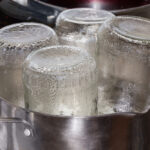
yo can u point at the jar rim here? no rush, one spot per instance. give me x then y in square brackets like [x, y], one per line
[52, 64]
[128, 32]
[78, 16]
[17, 41]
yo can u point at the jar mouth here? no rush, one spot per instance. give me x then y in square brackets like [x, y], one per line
[59, 60]
[86, 16]
[133, 29]
[25, 33]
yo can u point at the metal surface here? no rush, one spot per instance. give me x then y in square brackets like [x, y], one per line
[36, 10]
[16, 133]
[21, 129]
[143, 11]
[30, 10]
[110, 132]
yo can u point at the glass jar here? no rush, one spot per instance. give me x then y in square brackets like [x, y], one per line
[123, 64]
[16, 42]
[78, 27]
[61, 80]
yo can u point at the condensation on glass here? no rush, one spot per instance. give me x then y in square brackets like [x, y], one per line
[79, 27]
[123, 64]
[61, 80]
[16, 42]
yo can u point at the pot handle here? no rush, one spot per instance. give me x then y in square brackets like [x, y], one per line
[41, 10]
[33, 10]
[28, 129]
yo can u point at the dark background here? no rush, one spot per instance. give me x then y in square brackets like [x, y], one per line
[104, 4]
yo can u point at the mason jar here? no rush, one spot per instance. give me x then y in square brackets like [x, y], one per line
[123, 64]
[61, 80]
[16, 42]
[79, 26]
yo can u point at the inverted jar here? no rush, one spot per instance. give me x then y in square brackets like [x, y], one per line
[61, 80]
[16, 42]
[78, 27]
[123, 64]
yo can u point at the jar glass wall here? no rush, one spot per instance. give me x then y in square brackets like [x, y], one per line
[61, 80]
[78, 27]
[16, 42]
[123, 64]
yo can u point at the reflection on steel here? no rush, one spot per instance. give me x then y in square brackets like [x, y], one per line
[28, 10]
[127, 131]
[21, 2]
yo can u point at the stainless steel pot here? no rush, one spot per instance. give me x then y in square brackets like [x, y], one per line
[37, 10]
[21, 129]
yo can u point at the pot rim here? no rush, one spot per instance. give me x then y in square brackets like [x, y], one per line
[121, 114]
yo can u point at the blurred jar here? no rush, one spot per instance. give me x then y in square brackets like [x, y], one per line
[61, 80]
[16, 42]
[123, 64]
[78, 27]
